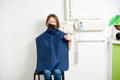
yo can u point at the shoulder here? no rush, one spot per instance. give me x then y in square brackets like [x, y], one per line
[60, 31]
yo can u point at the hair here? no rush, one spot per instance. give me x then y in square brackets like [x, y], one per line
[55, 17]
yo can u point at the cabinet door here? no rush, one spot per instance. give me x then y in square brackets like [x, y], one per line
[116, 62]
[92, 62]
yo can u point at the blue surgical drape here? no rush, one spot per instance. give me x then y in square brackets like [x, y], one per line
[52, 51]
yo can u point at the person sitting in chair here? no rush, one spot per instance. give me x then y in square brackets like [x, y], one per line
[53, 46]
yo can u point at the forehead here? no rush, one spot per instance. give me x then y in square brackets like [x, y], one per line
[52, 19]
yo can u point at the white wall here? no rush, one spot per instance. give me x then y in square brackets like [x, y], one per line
[102, 8]
[21, 21]
[3, 42]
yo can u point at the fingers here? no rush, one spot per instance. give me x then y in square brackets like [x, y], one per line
[67, 37]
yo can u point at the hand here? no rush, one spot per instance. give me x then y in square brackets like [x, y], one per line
[68, 37]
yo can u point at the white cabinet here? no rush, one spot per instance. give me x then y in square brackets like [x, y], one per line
[92, 62]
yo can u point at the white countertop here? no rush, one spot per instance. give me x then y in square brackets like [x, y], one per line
[115, 41]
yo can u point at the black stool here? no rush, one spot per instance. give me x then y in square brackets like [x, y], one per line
[41, 73]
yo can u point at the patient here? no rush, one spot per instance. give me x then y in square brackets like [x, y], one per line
[52, 50]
